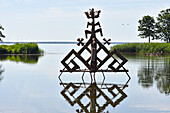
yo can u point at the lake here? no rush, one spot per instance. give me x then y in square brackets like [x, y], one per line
[30, 84]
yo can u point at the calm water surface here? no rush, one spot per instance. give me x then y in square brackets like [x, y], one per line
[30, 84]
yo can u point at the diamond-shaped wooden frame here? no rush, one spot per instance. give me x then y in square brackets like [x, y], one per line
[71, 93]
[124, 60]
[76, 66]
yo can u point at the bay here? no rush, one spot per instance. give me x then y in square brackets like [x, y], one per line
[30, 84]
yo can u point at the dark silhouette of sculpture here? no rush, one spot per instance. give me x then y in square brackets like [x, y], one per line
[1, 35]
[93, 47]
[93, 92]
[93, 63]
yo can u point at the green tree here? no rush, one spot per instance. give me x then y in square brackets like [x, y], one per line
[147, 27]
[163, 25]
[1, 35]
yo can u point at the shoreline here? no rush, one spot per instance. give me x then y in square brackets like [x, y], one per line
[22, 54]
[145, 48]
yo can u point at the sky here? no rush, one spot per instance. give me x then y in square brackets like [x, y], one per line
[64, 20]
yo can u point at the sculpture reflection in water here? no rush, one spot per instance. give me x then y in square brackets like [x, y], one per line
[1, 71]
[93, 97]
[156, 70]
[30, 59]
[93, 58]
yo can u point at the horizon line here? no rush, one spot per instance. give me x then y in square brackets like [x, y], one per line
[58, 42]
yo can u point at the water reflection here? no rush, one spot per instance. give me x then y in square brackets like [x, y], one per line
[146, 73]
[31, 59]
[155, 69]
[1, 71]
[93, 97]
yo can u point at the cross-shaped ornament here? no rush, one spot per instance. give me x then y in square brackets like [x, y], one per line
[80, 41]
[107, 41]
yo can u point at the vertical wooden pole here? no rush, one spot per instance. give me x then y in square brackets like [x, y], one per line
[93, 99]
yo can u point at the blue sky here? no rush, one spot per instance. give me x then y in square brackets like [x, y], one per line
[64, 20]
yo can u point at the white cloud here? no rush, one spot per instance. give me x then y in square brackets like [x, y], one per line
[19, 1]
[55, 12]
[154, 107]
[5, 4]
[52, 10]
[27, 0]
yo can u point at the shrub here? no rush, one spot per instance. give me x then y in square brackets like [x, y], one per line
[28, 48]
[143, 47]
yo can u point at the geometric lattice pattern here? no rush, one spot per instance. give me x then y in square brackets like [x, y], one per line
[89, 57]
[92, 48]
[92, 94]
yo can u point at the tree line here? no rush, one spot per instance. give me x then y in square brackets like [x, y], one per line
[158, 29]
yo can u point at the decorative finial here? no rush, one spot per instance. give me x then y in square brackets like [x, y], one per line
[80, 41]
[107, 41]
[92, 13]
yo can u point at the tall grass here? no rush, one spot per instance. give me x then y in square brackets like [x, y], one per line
[143, 47]
[28, 48]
